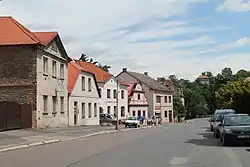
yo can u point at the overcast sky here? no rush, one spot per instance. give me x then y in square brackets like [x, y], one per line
[163, 37]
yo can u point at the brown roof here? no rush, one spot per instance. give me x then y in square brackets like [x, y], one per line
[14, 33]
[100, 74]
[203, 77]
[45, 37]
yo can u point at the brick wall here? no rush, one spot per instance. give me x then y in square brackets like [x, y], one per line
[18, 75]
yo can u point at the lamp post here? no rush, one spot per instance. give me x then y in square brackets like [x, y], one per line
[117, 102]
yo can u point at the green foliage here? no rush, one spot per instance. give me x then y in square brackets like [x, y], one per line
[179, 109]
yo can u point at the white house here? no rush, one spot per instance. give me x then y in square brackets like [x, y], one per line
[52, 80]
[107, 84]
[138, 103]
[83, 96]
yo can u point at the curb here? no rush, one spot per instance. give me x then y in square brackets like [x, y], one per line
[68, 139]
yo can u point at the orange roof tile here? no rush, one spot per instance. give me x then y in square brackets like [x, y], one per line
[14, 33]
[45, 37]
[100, 74]
[203, 77]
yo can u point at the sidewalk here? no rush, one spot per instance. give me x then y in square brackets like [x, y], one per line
[10, 140]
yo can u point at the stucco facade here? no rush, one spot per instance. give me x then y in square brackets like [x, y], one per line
[83, 103]
[52, 93]
[154, 108]
[108, 99]
[138, 103]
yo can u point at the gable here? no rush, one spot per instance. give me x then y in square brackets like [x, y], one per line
[138, 87]
[55, 50]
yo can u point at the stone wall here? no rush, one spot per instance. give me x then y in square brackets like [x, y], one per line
[18, 75]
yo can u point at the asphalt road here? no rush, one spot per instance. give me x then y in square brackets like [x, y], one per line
[176, 145]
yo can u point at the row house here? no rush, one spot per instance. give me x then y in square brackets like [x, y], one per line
[83, 96]
[160, 98]
[107, 85]
[33, 71]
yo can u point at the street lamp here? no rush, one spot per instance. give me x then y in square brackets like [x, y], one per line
[117, 102]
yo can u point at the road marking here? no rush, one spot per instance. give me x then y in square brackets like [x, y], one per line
[178, 161]
[234, 160]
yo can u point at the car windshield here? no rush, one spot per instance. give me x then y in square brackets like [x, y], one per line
[237, 120]
[132, 118]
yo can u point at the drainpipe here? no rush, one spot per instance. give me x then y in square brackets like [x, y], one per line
[68, 108]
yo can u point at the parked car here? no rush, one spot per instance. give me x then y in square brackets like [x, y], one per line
[132, 121]
[235, 128]
[107, 119]
[219, 112]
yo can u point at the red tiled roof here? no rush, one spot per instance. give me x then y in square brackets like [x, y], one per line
[203, 77]
[45, 37]
[100, 74]
[14, 33]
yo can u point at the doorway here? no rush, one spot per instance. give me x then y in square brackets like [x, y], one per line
[75, 112]
[170, 116]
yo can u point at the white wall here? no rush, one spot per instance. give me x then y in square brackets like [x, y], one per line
[163, 106]
[49, 86]
[84, 96]
[105, 102]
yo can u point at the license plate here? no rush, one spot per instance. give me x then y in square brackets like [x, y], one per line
[243, 136]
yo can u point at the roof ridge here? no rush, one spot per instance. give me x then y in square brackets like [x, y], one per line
[25, 30]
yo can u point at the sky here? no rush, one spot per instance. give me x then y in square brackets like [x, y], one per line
[161, 37]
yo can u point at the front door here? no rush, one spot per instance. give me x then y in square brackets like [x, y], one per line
[75, 112]
[170, 116]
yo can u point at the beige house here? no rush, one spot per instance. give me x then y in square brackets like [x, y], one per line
[83, 96]
[137, 101]
[160, 98]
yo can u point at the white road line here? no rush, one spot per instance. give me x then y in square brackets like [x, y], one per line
[234, 160]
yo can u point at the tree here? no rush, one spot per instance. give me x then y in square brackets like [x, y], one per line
[179, 109]
[241, 75]
[84, 57]
[234, 95]
[104, 67]
[161, 79]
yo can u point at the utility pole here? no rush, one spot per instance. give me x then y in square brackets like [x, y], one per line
[117, 102]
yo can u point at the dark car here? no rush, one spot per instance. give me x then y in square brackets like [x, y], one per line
[235, 128]
[219, 112]
[107, 119]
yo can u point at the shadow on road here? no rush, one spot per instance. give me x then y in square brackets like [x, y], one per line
[205, 139]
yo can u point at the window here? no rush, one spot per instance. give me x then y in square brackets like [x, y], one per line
[158, 99]
[83, 83]
[114, 109]
[53, 68]
[133, 113]
[108, 93]
[95, 110]
[144, 113]
[108, 109]
[54, 103]
[62, 71]
[165, 99]
[62, 104]
[90, 114]
[45, 65]
[122, 94]
[89, 84]
[83, 110]
[166, 113]
[170, 99]
[45, 104]
[139, 113]
[114, 94]
[138, 96]
[122, 111]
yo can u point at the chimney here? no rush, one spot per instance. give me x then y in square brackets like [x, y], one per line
[145, 73]
[124, 70]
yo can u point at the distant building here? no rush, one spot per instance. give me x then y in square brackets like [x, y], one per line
[159, 97]
[203, 79]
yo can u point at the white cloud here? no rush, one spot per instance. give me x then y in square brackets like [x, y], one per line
[235, 6]
[108, 31]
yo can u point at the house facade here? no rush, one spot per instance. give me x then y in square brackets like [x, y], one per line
[160, 98]
[137, 101]
[83, 96]
[108, 90]
[33, 73]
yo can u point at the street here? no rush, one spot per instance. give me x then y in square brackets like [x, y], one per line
[174, 145]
